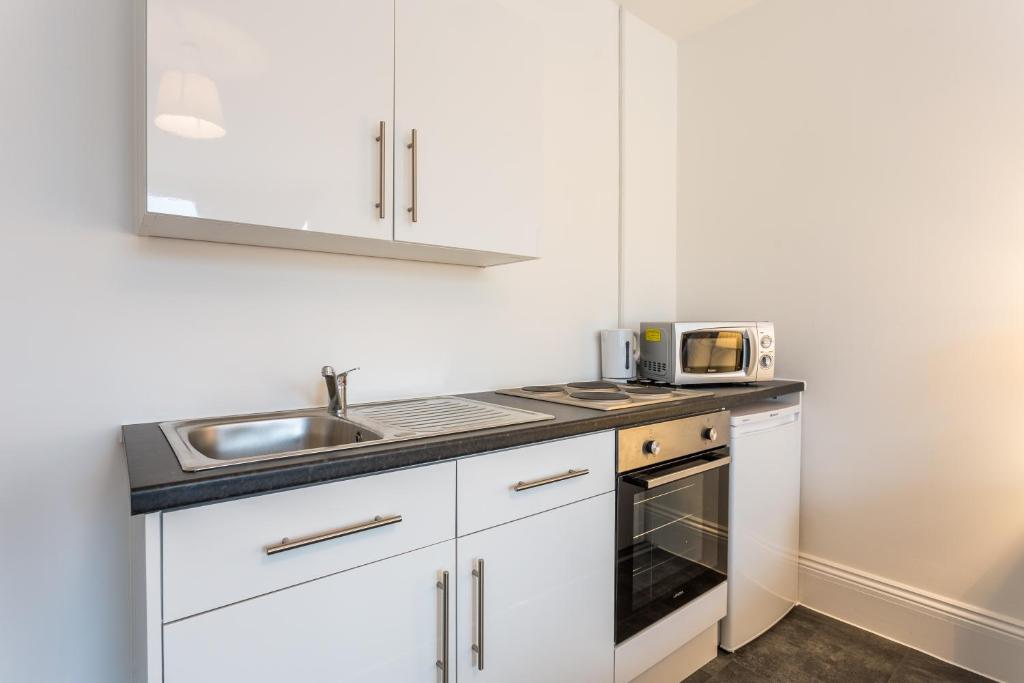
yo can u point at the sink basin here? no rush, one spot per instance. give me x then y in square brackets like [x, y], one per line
[217, 442]
[252, 438]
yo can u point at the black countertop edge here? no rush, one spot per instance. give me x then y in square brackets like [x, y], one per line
[158, 483]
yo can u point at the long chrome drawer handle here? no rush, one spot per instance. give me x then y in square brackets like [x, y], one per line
[414, 210]
[382, 161]
[571, 474]
[288, 544]
[478, 646]
[442, 663]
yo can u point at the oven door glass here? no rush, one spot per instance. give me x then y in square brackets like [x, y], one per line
[672, 538]
[704, 352]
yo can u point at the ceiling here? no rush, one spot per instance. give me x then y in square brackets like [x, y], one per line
[682, 18]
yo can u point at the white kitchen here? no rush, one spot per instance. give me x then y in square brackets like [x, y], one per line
[512, 340]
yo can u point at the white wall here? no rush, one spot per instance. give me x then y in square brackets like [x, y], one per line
[649, 123]
[857, 169]
[102, 327]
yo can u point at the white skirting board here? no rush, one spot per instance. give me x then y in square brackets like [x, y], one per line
[988, 643]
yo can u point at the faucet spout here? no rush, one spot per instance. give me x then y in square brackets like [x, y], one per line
[337, 389]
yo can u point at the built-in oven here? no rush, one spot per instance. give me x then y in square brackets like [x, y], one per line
[672, 521]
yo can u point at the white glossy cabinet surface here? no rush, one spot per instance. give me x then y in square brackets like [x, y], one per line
[548, 597]
[379, 623]
[260, 122]
[487, 495]
[233, 535]
[469, 79]
[302, 87]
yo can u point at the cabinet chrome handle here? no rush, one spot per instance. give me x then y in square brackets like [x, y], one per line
[414, 209]
[571, 474]
[442, 663]
[288, 544]
[380, 176]
[478, 647]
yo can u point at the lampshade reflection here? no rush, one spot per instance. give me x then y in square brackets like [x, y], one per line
[188, 105]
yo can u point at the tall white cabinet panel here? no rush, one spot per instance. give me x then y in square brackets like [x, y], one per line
[469, 80]
[291, 96]
[378, 623]
[547, 609]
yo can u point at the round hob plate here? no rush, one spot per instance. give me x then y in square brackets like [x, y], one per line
[648, 392]
[543, 389]
[600, 396]
[593, 386]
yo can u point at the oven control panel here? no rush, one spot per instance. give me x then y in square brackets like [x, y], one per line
[651, 444]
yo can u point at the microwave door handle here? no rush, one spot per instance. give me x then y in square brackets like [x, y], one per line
[650, 482]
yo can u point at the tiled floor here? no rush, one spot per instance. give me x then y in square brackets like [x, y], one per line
[809, 647]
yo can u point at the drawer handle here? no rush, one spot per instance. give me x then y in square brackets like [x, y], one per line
[571, 474]
[478, 646]
[442, 663]
[288, 544]
[381, 180]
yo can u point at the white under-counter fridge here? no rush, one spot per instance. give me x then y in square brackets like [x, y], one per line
[764, 518]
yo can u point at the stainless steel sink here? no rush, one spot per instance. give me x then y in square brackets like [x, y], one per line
[251, 438]
[219, 442]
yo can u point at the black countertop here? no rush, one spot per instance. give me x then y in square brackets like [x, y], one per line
[157, 482]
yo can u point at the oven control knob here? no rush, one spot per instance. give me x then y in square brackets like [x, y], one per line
[766, 361]
[652, 447]
[710, 434]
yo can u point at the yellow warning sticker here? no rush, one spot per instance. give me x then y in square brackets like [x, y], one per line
[652, 334]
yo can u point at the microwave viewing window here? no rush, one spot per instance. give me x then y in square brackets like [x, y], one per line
[710, 351]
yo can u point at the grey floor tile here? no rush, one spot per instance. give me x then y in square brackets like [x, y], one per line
[918, 667]
[806, 646]
[699, 676]
[735, 672]
[718, 663]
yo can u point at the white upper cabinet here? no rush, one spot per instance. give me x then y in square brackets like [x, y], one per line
[266, 113]
[260, 124]
[469, 81]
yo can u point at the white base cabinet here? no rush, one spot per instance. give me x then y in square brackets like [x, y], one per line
[546, 607]
[377, 623]
[374, 603]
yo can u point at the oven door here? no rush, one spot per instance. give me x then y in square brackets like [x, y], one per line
[672, 537]
[716, 354]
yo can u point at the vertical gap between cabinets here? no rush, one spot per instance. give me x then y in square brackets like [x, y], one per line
[622, 241]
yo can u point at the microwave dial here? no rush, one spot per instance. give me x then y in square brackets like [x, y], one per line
[766, 341]
[766, 361]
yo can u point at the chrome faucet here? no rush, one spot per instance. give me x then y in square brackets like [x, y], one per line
[337, 389]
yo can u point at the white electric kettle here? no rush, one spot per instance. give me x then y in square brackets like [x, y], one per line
[619, 351]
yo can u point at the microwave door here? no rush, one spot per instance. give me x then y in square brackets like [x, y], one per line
[725, 353]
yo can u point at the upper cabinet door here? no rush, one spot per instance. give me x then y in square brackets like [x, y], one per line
[469, 81]
[265, 112]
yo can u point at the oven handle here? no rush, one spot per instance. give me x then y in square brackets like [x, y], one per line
[683, 473]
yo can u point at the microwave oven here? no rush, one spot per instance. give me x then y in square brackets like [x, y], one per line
[707, 353]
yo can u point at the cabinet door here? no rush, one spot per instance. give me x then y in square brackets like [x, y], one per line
[469, 80]
[290, 96]
[378, 623]
[548, 598]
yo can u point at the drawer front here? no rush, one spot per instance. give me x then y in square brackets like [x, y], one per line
[217, 554]
[488, 484]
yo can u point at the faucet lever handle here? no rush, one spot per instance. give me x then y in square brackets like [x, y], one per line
[342, 374]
